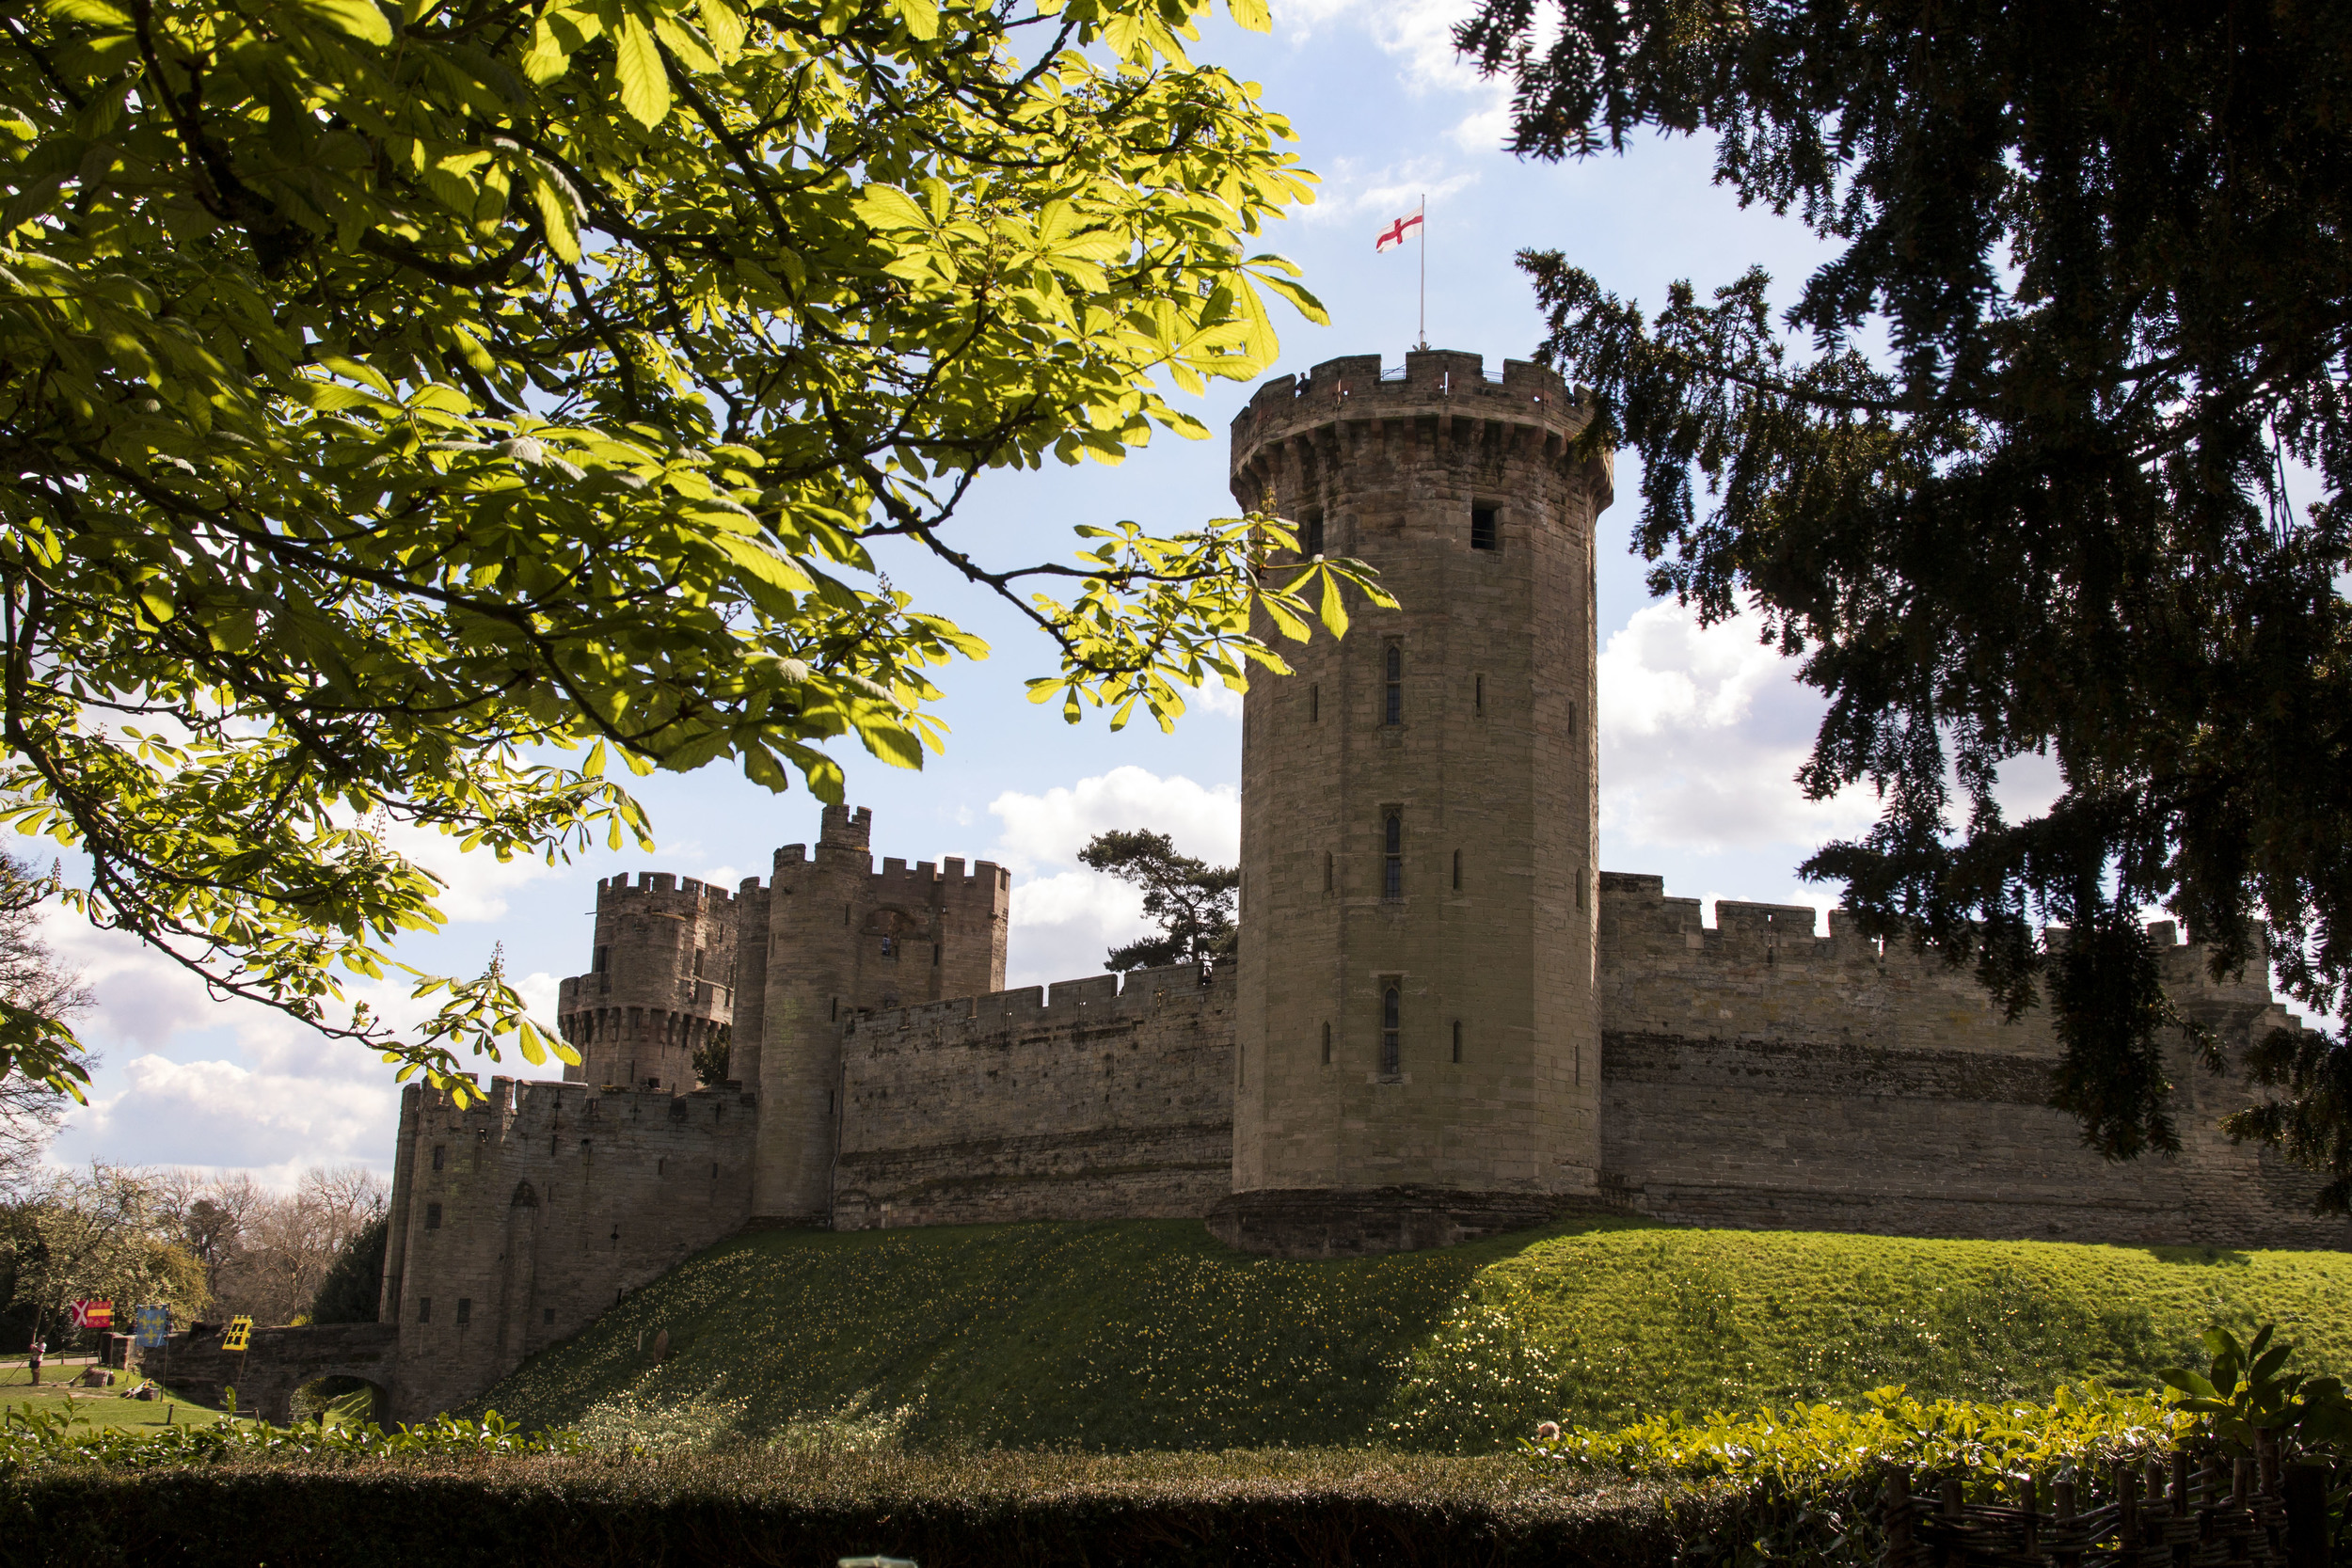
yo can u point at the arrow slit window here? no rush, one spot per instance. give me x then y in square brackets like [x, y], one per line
[1391, 1013]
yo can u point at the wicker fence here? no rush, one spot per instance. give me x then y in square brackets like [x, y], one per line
[2252, 1510]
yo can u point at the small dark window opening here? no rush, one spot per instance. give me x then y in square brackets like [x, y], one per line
[1391, 1009]
[1392, 857]
[714, 1170]
[1457, 1042]
[698, 963]
[433, 1216]
[464, 1310]
[603, 960]
[845, 914]
[659, 1166]
[548, 1316]
[1326, 1045]
[1478, 700]
[1314, 705]
[1330, 871]
[1483, 535]
[1458, 871]
[934, 955]
[440, 1153]
[424, 1310]
[1310, 534]
[837, 1010]
[1392, 712]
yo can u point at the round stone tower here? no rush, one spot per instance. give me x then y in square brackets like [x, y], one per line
[1418, 1053]
[660, 986]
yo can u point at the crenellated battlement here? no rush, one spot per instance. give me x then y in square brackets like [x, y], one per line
[528, 1103]
[983, 882]
[1635, 910]
[1096, 996]
[657, 889]
[1449, 388]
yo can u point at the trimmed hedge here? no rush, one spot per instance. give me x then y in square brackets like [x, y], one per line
[944, 1511]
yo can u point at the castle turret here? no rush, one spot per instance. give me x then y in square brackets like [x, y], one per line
[841, 939]
[660, 986]
[1418, 1042]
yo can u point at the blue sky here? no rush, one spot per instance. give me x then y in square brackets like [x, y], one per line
[1701, 730]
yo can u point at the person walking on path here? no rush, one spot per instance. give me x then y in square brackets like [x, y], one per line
[37, 1348]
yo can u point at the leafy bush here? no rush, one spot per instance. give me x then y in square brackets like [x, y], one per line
[34, 1437]
[766, 1506]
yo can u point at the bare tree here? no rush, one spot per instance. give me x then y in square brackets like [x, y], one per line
[265, 1252]
[32, 977]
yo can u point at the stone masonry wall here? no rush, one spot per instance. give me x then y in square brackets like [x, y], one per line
[1755, 1074]
[519, 1219]
[1097, 1102]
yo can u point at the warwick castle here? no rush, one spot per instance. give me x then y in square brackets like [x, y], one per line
[1444, 1019]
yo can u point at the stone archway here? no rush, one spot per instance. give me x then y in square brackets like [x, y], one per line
[274, 1364]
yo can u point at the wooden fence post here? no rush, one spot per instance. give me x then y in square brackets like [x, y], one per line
[1896, 1514]
[2306, 1496]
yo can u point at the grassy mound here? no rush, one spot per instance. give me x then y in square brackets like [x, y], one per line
[1152, 1335]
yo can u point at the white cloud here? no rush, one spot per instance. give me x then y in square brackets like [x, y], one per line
[1066, 917]
[1702, 731]
[1354, 193]
[1049, 829]
[477, 882]
[1418, 34]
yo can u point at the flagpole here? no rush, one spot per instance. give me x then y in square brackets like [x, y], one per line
[1423, 225]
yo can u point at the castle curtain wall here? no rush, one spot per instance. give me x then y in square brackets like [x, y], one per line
[545, 1203]
[1095, 1103]
[1756, 1075]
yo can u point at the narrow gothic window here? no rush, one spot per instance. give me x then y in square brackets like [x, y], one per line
[464, 1310]
[1392, 857]
[1458, 871]
[1326, 1045]
[659, 1166]
[1478, 698]
[1311, 536]
[603, 960]
[433, 1216]
[424, 1310]
[1330, 871]
[546, 1315]
[1390, 1007]
[1314, 705]
[1457, 1042]
[698, 963]
[1483, 528]
[440, 1152]
[1393, 713]
[934, 955]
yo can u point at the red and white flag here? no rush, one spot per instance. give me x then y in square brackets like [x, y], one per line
[1395, 233]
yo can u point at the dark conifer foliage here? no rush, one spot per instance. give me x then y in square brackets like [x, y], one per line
[2105, 245]
[354, 1285]
[1192, 900]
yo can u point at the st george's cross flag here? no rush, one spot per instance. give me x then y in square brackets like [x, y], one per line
[1394, 234]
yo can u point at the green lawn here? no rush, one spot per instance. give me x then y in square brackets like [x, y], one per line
[101, 1407]
[1152, 1335]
